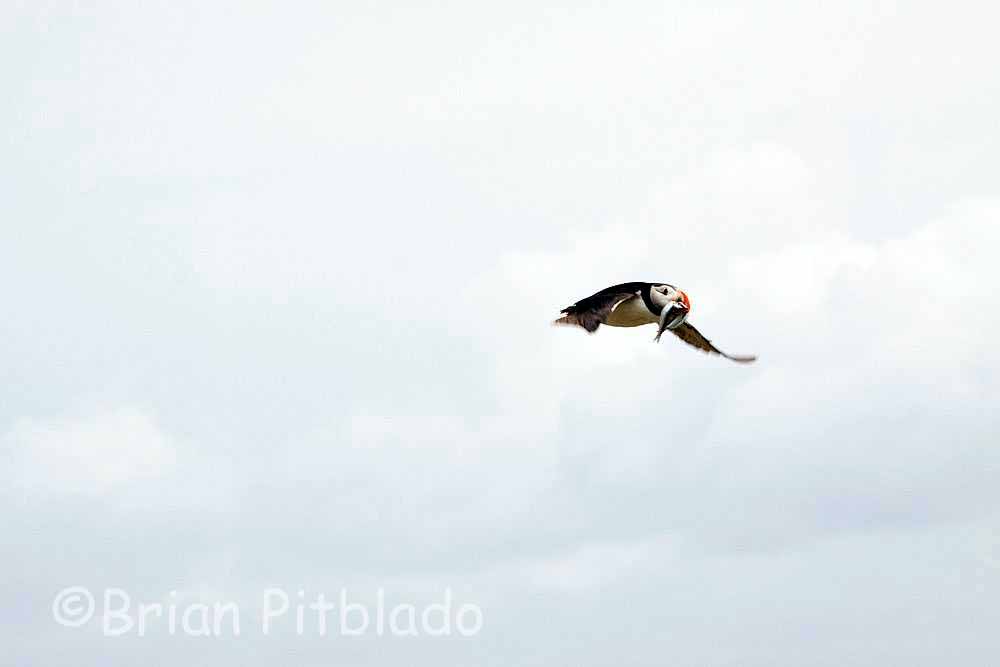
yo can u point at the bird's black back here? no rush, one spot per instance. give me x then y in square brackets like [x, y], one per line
[597, 299]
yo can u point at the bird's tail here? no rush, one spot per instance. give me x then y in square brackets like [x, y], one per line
[567, 320]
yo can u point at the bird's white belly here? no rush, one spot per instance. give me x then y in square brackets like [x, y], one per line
[631, 313]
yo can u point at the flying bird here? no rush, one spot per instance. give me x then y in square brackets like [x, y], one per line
[638, 303]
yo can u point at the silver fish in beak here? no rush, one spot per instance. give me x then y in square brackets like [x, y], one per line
[674, 315]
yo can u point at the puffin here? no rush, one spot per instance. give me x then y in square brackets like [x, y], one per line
[637, 303]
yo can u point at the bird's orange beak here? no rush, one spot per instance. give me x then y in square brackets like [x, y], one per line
[684, 300]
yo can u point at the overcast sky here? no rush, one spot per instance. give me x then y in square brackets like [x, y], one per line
[277, 283]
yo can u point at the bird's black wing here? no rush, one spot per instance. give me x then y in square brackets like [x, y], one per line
[591, 312]
[692, 336]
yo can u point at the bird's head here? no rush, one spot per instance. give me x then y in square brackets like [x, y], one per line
[670, 296]
[675, 305]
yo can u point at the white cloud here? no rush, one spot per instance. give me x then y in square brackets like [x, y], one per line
[89, 455]
[591, 567]
[297, 255]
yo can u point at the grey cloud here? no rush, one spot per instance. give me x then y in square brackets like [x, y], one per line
[316, 252]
